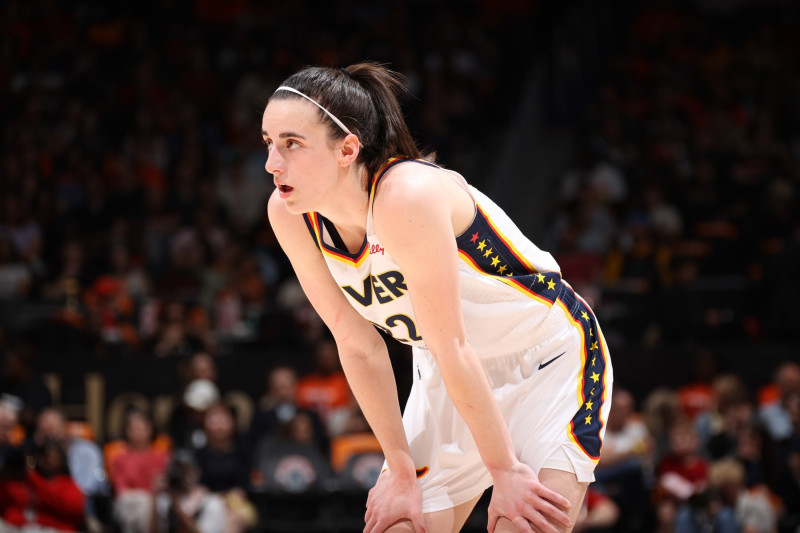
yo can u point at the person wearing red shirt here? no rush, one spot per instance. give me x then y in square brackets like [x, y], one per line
[41, 491]
[138, 470]
[682, 473]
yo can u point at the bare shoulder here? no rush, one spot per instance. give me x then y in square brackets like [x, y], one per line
[410, 186]
[415, 190]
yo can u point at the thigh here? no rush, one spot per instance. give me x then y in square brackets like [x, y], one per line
[452, 519]
[564, 483]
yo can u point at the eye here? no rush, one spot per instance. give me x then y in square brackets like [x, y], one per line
[267, 143]
[292, 145]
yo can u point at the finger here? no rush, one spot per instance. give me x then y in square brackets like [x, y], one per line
[542, 523]
[554, 513]
[553, 496]
[369, 521]
[368, 514]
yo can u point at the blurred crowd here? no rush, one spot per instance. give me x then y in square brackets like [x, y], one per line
[680, 212]
[132, 196]
[134, 190]
[210, 467]
[710, 455]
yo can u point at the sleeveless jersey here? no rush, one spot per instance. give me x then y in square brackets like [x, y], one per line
[508, 285]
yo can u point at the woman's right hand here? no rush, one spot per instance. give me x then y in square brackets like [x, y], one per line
[394, 499]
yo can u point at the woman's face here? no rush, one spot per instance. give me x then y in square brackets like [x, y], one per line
[138, 430]
[301, 157]
[218, 423]
[51, 461]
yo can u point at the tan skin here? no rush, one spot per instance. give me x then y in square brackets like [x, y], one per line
[314, 172]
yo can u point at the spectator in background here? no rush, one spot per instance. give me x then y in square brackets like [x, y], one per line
[753, 507]
[21, 383]
[727, 507]
[185, 426]
[682, 471]
[66, 284]
[84, 458]
[224, 465]
[174, 337]
[599, 513]
[661, 410]
[787, 485]
[8, 421]
[16, 279]
[182, 503]
[775, 415]
[240, 306]
[111, 314]
[293, 437]
[627, 438]
[732, 412]
[325, 389]
[625, 466]
[200, 365]
[20, 223]
[223, 460]
[696, 396]
[129, 271]
[183, 420]
[243, 190]
[136, 473]
[279, 406]
[37, 489]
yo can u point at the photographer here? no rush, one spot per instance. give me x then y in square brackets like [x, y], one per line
[37, 491]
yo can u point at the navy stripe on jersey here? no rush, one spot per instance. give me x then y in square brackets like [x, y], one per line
[586, 424]
[489, 250]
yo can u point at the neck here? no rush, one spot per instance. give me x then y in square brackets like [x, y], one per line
[348, 210]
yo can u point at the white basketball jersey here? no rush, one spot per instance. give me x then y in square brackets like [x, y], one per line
[508, 285]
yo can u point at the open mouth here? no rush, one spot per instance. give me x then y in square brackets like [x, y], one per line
[285, 188]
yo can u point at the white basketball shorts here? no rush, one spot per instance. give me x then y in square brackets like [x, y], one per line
[555, 399]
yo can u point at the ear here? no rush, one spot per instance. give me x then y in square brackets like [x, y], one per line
[348, 153]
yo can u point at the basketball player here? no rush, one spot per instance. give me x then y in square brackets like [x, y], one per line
[512, 378]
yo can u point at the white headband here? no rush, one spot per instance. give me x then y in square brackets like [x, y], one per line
[333, 117]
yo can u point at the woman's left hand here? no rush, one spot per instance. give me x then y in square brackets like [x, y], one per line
[391, 500]
[519, 496]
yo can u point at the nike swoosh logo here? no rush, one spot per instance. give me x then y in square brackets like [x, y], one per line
[542, 365]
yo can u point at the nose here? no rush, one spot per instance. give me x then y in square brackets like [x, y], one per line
[275, 164]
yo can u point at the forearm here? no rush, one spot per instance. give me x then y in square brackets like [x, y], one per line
[372, 381]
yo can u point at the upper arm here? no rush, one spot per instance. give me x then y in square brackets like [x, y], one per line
[347, 326]
[414, 218]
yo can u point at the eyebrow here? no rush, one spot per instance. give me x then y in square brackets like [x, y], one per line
[284, 135]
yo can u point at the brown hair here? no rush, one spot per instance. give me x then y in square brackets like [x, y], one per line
[365, 97]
